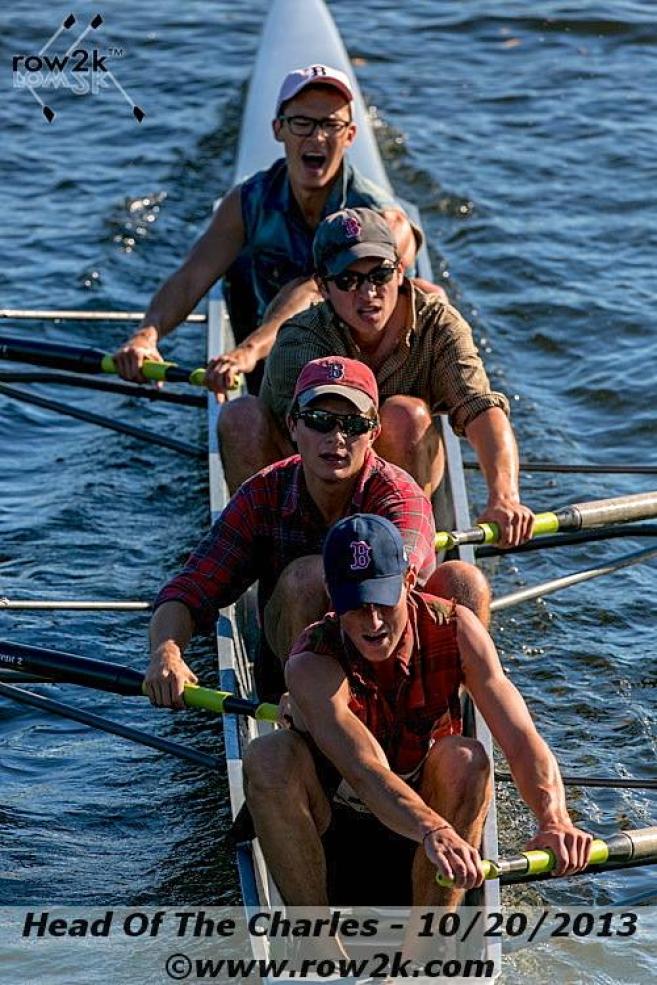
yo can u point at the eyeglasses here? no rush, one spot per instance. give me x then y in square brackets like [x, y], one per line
[352, 280]
[324, 421]
[305, 126]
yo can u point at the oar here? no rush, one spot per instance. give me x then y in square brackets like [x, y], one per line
[585, 780]
[623, 530]
[81, 359]
[625, 848]
[108, 386]
[578, 516]
[69, 668]
[608, 469]
[77, 314]
[53, 707]
[69, 605]
[142, 434]
[557, 584]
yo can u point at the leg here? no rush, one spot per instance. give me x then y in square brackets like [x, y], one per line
[298, 599]
[463, 582]
[249, 440]
[456, 783]
[409, 439]
[290, 813]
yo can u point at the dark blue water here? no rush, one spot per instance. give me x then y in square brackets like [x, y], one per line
[526, 135]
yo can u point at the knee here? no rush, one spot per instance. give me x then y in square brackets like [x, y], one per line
[301, 580]
[239, 417]
[464, 582]
[271, 762]
[405, 419]
[464, 761]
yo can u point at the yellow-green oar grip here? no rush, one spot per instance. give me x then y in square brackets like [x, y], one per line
[205, 697]
[107, 364]
[197, 378]
[546, 523]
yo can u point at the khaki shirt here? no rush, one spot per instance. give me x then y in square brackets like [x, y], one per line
[436, 360]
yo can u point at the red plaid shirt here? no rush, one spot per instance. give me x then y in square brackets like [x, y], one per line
[424, 704]
[272, 520]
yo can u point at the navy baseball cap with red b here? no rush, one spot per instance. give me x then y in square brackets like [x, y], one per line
[365, 561]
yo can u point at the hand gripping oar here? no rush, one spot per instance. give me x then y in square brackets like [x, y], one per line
[81, 359]
[579, 516]
[69, 668]
[623, 848]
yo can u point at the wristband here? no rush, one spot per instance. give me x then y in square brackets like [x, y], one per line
[439, 827]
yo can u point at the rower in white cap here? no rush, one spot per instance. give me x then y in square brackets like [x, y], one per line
[274, 213]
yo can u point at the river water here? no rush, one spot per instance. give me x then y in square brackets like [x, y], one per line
[526, 134]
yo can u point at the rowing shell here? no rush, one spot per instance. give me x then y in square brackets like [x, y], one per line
[296, 33]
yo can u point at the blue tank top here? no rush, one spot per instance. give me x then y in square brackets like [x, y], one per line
[278, 240]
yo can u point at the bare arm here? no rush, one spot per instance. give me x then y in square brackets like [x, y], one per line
[404, 236]
[532, 763]
[492, 437]
[296, 296]
[320, 692]
[170, 631]
[209, 259]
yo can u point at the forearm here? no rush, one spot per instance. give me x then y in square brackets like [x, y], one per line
[296, 296]
[494, 443]
[392, 801]
[538, 779]
[171, 304]
[172, 626]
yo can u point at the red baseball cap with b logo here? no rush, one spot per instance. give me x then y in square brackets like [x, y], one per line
[339, 377]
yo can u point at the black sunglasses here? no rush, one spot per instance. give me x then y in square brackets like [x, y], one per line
[325, 421]
[351, 280]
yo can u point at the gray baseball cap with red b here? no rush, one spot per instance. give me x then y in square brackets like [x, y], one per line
[350, 235]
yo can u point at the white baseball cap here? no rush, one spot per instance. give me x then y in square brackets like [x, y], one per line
[294, 82]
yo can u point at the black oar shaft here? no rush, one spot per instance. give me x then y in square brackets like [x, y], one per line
[105, 422]
[107, 386]
[81, 359]
[579, 469]
[63, 710]
[71, 669]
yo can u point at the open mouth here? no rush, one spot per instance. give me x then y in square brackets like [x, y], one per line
[314, 161]
[376, 639]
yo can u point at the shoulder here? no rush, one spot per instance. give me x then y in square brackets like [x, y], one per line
[321, 637]
[307, 334]
[383, 474]
[257, 189]
[363, 191]
[435, 314]
[261, 180]
[313, 318]
[266, 483]
[439, 611]
[316, 652]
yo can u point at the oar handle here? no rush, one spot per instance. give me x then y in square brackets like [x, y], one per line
[223, 702]
[579, 516]
[489, 533]
[536, 861]
[160, 372]
[69, 668]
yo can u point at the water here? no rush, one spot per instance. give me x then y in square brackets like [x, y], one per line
[526, 135]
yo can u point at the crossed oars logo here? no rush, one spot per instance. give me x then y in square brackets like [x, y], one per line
[93, 25]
